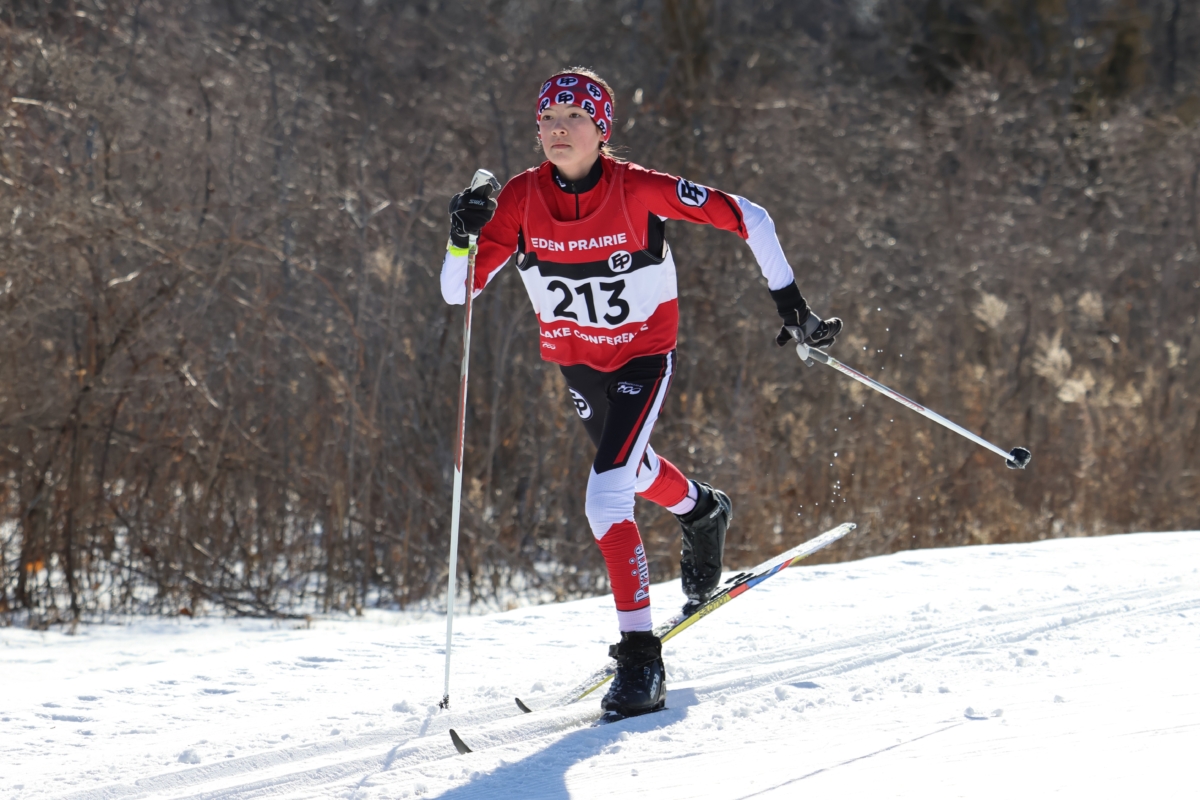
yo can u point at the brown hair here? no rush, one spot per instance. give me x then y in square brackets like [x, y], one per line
[606, 148]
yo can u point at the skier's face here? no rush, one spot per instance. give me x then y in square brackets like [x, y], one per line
[570, 139]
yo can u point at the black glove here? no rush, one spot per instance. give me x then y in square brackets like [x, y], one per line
[799, 323]
[469, 212]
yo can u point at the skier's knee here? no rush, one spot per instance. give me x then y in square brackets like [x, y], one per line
[603, 515]
[607, 505]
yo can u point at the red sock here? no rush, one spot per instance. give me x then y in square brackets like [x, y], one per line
[669, 488]
[628, 572]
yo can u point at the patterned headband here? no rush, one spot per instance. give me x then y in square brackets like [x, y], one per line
[573, 89]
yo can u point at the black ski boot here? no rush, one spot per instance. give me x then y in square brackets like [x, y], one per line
[640, 685]
[704, 544]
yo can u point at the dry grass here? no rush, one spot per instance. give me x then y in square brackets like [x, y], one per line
[229, 379]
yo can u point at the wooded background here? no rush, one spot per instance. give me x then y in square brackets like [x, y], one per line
[228, 380]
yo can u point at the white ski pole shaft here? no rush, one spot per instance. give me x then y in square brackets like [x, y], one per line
[456, 502]
[1017, 458]
[483, 180]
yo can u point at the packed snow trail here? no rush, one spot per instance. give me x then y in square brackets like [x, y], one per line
[1064, 667]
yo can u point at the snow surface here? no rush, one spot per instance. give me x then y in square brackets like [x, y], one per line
[1065, 668]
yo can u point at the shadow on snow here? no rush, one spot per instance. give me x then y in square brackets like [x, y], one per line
[543, 775]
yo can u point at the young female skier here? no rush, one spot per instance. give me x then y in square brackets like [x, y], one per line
[588, 234]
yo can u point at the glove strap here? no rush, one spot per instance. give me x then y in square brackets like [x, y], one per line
[455, 250]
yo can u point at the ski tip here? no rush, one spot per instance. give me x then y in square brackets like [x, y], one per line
[522, 706]
[459, 744]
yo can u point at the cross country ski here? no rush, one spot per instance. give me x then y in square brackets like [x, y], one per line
[734, 587]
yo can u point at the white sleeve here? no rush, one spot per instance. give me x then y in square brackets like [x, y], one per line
[454, 279]
[760, 230]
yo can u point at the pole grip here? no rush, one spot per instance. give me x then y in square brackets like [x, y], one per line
[484, 183]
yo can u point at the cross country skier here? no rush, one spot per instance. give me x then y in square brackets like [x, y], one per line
[588, 234]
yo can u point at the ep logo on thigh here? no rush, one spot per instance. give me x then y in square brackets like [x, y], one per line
[581, 404]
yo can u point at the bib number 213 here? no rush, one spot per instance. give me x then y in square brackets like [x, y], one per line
[617, 310]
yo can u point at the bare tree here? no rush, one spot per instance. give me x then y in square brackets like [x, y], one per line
[227, 374]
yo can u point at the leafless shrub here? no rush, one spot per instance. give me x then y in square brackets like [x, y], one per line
[228, 376]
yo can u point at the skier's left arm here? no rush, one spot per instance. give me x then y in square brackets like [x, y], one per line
[670, 197]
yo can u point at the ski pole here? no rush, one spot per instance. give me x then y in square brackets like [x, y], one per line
[1017, 458]
[483, 183]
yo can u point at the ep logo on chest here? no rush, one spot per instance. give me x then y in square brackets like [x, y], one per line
[571, 245]
[620, 261]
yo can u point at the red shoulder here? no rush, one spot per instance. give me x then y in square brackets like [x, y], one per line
[638, 173]
[649, 186]
[512, 197]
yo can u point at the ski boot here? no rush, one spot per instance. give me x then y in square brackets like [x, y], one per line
[704, 544]
[640, 685]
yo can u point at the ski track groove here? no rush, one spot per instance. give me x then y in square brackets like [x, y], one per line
[495, 725]
[914, 636]
[429, 728]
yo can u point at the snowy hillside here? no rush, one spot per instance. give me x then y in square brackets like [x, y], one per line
[1063, 668]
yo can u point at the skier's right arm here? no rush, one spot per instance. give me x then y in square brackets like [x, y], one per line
[498, 232]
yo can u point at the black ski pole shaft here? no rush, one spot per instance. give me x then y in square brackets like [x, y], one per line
[1017, 458]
